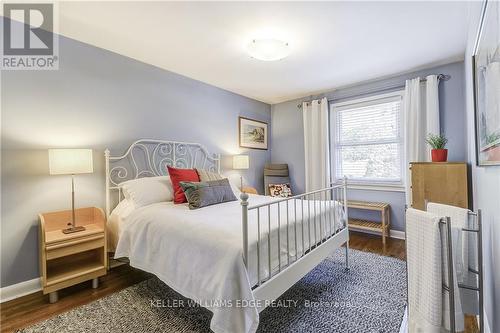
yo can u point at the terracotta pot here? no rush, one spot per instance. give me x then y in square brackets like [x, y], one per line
[439, 155]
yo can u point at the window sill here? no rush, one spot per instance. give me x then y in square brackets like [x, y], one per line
[376, 187]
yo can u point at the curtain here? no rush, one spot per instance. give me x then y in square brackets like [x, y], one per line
[316, 144]
[421, 114]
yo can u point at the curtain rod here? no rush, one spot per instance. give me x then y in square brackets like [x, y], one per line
[440, 77]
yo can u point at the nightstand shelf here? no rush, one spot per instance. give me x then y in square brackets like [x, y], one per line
[69, 259]
[69, 271]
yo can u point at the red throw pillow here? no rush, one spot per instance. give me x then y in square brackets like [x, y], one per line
[181, 175]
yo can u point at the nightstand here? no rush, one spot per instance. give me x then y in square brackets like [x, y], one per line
[249, 189]
[69, 259]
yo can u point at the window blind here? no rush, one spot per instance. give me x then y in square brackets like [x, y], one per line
[368, 140]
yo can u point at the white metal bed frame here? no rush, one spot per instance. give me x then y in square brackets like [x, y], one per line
[149, 158]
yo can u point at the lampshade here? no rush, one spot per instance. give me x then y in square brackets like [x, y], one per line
[70, 161]
[240, 162]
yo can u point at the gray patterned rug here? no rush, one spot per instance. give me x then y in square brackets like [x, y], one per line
[370, 297]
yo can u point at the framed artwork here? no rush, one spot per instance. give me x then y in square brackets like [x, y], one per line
[252, 133]
[486, 63]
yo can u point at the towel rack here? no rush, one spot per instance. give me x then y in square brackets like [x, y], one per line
[446, 221]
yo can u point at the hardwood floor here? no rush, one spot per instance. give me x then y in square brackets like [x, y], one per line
[33, 308]
[372, 243]
[27, 310]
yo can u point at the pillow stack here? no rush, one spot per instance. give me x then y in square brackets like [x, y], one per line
[199, 188]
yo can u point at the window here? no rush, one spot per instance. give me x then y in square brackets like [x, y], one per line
[367, 140]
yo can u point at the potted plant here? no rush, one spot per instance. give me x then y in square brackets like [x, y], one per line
[438, 152]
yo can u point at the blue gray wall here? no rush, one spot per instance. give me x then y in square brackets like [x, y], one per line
[287, 143]
[98, 99]
[486, 184]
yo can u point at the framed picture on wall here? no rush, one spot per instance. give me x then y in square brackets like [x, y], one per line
[486, 62]
[252, 133]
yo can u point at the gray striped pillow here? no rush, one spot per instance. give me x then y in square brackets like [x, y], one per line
[201, 194]
[206, 176]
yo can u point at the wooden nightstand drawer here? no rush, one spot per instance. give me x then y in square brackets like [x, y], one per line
[74, 246]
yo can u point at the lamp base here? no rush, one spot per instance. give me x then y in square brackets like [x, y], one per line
[71, 230]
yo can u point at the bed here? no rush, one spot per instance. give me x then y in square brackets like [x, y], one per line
[234, 258]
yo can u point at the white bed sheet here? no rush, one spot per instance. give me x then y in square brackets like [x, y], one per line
[116, 223]
[198, 253]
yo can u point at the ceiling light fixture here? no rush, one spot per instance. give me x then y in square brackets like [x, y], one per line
[268, 49]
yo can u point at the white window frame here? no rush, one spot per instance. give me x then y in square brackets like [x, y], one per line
[397, 186]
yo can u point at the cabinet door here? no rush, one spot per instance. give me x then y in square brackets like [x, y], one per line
[439, 182]
[418, 186]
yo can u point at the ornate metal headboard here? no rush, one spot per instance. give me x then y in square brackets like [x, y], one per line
[149, 158]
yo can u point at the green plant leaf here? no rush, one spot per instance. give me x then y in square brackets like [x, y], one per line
[436, 141]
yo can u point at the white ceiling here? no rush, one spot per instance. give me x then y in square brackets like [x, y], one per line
[333, 43]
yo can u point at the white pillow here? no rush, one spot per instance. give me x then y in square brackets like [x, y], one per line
[148, 190]
[235, 181]
[123, 209]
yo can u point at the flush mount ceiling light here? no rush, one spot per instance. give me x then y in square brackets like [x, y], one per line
[268, 49]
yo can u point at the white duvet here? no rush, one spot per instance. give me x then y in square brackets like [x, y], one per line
[198, 253]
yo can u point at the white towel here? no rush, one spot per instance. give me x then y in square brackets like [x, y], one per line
[459, 218]
[423, 244]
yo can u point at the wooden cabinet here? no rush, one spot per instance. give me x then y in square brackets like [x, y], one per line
[444, 183]
[68, 259]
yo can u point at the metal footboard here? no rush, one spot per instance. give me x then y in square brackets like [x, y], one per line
[302, 223]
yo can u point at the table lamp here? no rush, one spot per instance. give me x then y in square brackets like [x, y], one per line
[241, 162]
[71, 162]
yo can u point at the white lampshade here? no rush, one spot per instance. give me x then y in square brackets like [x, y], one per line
[241, 162]
[70, 161]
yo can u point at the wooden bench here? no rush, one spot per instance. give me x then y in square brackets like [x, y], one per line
[381, 227]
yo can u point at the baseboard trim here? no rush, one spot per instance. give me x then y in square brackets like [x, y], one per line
[20, 289]
[398, 234]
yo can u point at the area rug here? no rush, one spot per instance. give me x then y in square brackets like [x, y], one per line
[370, 297]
